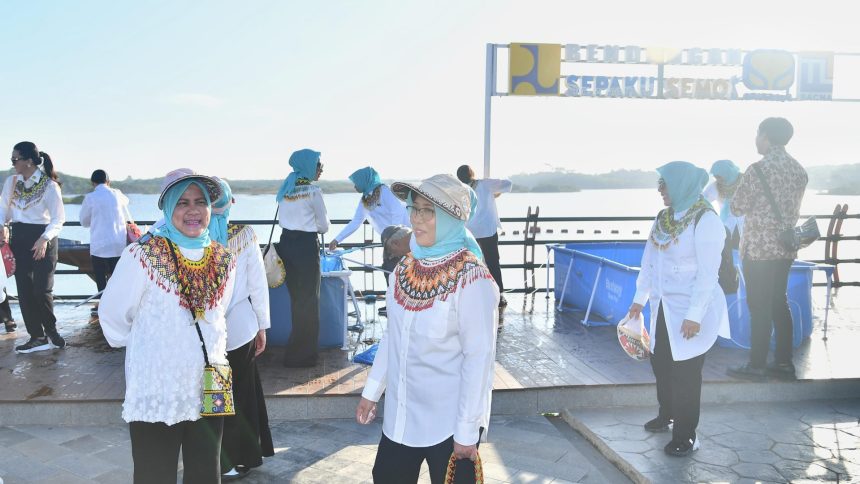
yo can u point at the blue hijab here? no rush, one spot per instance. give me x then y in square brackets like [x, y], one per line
[169, 231]
[304, 163]
[727, 170]
[365, 180]
[451, 234]
[221, 214]
[684, 181]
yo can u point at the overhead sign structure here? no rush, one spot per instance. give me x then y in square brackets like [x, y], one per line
[629, 71]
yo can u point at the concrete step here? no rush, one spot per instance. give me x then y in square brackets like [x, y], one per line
[530, 401]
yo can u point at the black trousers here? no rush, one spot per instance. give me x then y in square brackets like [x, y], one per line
[5, 310]
[155, 448]
[300, 252]
[35, 279]
[490, 248]
[102, 266]
[679, 384]
[767, 284]
[400, 464]
[247, 438]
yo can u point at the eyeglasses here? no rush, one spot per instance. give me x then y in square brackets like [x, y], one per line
[424, 214]
[16, 160]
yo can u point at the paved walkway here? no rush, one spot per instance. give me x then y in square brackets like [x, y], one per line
[533, 450]
[773, 442]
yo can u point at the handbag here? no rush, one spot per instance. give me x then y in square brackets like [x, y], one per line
[452, 465]
[276, 273]
[217, 378]
[8, 259]
[792, 238]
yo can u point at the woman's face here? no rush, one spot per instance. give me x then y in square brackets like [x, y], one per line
[19, 162]
[664, 192]
[319, 171]
[191, 215]
[422, 214]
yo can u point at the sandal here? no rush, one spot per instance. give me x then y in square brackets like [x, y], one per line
[10, 325]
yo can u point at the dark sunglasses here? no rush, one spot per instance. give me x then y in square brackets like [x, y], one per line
[16, 160]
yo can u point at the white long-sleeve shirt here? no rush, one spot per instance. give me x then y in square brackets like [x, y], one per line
[40, 202]
[387, 211]
[712, 194]
[249, 308]
[304, 210]
[684, 278]
[140, 310]
[435, 361]
[104, 211]
[486, 222]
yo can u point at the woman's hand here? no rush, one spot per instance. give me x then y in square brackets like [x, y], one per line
[690, 328]
[4, 235]
[332, 246]
[260, 342]
[365, 412]
[465, 451]
[635, 311]
[39, 249]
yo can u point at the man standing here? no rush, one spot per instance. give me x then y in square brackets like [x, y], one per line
[766, 262]
[104, 212]
[485, 223]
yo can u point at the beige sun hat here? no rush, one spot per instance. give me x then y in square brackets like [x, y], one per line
[444, 191]
[180, 174]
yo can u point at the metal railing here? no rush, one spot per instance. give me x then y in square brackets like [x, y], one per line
[537, 223]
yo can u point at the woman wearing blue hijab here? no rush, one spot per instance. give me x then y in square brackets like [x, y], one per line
[727, 178]
[435, 360]
[678, 279]
[302, 215]
[378, 205]
[170, 291]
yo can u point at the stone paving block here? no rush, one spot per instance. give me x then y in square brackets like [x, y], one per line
[118, 455]
[64, 477]
[758, 456]
[117, 476]
[762, 472]
[10, 437]
[743, 441]
[56, 434]
[86, 444]
[40, 450]
[525, 477]
[82, 465]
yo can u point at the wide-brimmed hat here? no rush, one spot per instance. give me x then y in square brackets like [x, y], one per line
[444, 191]
[181, 174]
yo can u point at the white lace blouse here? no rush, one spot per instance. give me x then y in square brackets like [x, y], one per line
[141, 311]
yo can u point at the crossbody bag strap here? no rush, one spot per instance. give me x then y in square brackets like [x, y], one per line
[769, 195]
[196, 324]
[274, 222]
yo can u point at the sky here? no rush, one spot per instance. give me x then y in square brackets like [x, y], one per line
[232, 88]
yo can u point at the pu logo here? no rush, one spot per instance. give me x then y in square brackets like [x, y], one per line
[768, 70]
[535, 69]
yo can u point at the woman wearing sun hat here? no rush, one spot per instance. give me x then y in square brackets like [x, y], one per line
[162, 286]
[435, 360]
[302, 216]
[678, 278]
[247, 437]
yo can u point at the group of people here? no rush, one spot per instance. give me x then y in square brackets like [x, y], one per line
[680, 272]
[194, 292]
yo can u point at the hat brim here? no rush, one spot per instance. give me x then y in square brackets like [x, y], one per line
[212, 187]
[402, 190]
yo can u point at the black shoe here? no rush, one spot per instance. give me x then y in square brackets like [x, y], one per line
[56, 339]
[235, 474]
[35, 344]
[10, 325]
[682, 448]
[307, 362]
[748, 372]
[782, 371]
[658, 424]
[503, 302]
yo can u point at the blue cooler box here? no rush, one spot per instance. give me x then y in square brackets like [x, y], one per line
[333, 311]
[576, 273]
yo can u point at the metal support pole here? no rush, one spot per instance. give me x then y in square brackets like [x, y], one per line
[593, 292]
[490, 88]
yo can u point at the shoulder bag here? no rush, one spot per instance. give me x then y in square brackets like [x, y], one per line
[792, 238]
[276, 273]
[217, 378]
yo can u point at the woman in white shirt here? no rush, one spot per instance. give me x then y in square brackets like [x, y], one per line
[247, 437]
[32, 202]
[378, 205]
[678, 278]
[485, 224]
[435, 360]
[302, 215]
[727, 177]
[168, 292]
